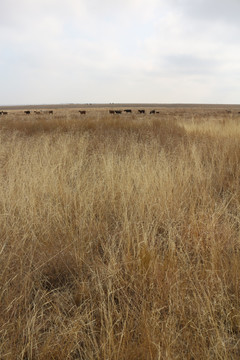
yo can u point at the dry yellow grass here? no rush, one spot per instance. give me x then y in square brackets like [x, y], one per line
[120, 238]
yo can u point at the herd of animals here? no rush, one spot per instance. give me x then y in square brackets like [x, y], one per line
[28, 112]
[83, 112]
[130, 111]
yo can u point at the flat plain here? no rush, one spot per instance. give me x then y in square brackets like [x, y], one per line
[119, 233]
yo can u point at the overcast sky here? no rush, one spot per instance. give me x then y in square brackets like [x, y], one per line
[102, 51]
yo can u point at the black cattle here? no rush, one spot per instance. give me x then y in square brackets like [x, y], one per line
[118, 111]
[82, 112]
[141, 111]
[27, 112]
[1, 112]
[111, 111]
[50, 112]
[4, 112]
[152, 112]
[127, 111]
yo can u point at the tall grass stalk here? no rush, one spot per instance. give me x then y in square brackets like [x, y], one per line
[119, 239]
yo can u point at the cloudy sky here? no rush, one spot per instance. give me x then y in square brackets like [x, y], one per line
[102, 51]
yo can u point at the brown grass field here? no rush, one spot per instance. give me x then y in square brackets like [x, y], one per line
[120, 235]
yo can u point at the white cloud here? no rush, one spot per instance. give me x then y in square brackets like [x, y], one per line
[226, 11]
[129, 50]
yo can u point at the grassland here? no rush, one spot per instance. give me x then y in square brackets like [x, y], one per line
[120, 236]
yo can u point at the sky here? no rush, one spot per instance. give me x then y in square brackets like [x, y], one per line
[112, 51]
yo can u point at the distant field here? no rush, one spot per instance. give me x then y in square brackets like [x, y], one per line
[173, 111]
[120, 234]
[174, 107]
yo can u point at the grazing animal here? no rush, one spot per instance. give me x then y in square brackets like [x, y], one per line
[27, 112]
[4, 112]
[111, 112]
[118, 111]
[82, 112]
[37, 112]
[127, 111]
[50, 112]
[152, 112]
[141, 111]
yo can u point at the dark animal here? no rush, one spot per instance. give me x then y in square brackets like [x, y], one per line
[4, 112]
[111, 112]
[141, 111]
[152, 112]
[50, 112]
[82, 112]
[27, 112]
[157, 112]
[118, 111]
[127, 111]
[37, 112]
